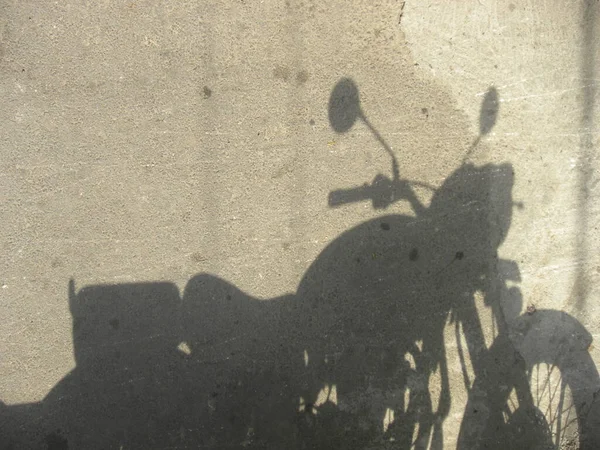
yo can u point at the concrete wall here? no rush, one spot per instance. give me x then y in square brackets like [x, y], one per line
[177, 161]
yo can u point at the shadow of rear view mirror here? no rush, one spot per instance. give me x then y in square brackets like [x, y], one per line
[489, 111]
[344, 106]
[488, 114]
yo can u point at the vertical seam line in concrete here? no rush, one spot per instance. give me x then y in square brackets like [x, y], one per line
[588, 88]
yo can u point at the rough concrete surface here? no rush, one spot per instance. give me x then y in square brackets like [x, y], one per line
[299, 224]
